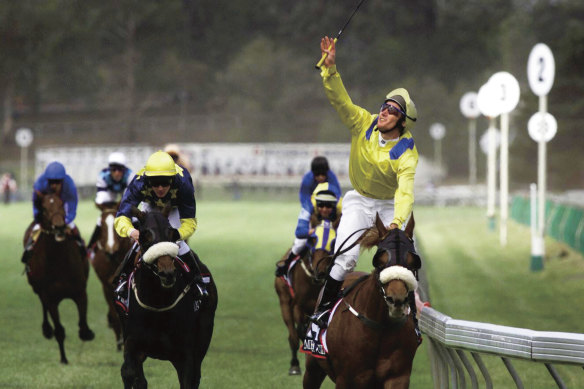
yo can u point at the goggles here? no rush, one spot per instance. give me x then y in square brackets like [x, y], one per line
[114, 168]
[324, 205]
[159, 181]
[391, 109]
[55, 182]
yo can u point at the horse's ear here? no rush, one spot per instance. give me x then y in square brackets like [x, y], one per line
[137, 214]
[380, 227]
[166, 210]
[146, 237]
[409, 230]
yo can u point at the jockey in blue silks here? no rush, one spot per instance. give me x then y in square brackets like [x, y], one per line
[319, 173]
[112, 182]
[54, 180]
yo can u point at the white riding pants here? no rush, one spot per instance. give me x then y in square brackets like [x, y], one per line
[359, 212]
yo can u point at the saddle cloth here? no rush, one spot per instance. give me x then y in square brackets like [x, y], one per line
[315, 340]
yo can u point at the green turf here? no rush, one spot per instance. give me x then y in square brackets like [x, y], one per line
[470, 278]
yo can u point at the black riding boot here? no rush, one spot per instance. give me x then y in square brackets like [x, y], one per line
[26, 256]
[126, 266]
[27, 250]
[282, 268]
[120, 277]
[194, 275]
[329, 294]
[94, 237]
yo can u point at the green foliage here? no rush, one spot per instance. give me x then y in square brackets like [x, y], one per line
[255, 59]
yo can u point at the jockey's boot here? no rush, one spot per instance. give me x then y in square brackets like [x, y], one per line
[193, 274]
[29, 245]
[328, 297]
[27, 250]
[282, 268]
[93, 240]
[120, 277]
[413, 308]
[126, 266]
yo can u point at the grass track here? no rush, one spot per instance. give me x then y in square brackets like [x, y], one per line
[470, 278]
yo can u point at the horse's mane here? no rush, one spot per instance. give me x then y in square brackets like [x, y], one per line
[370, 238]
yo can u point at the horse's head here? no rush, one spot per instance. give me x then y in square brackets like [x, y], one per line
[396, 264]
[109, 240]
[321, 244]
[157, 245]
[52, 215]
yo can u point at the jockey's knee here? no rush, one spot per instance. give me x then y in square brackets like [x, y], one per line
[338, 272]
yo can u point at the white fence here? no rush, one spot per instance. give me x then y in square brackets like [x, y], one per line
[276, 164]
[451, 339]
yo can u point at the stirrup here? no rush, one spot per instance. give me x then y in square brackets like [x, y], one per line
[321, 318]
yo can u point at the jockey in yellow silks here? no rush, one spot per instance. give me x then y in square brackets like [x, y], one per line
[382, 166]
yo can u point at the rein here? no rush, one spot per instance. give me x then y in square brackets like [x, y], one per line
[340, 250]
[375, 324]
[395, 324]
[163, 309]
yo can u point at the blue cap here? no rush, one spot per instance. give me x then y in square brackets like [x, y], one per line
[55, 171]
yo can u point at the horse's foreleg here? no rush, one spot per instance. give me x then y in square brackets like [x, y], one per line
[188, 371]
[47, 328]
[288, 317]
[133, 373]
[53, 309]
[314, 374]
[85, 332]
[112, 315]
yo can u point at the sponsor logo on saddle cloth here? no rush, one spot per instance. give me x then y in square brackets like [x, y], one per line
[315, 339]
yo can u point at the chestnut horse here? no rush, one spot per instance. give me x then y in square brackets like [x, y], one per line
[57, 270]
[299, 292]
[371, 339]
[109, 253]
[168, 318]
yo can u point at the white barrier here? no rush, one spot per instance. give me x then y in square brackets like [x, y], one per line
[276, 164]
[450, 338]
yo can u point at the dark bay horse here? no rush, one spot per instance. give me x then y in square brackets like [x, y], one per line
[298, 293]
[371, 340]
[109, 253]
[57, 270]
[168, 318]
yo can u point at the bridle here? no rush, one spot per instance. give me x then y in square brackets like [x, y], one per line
[154, 269]
[49, 219]
[397, 245]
